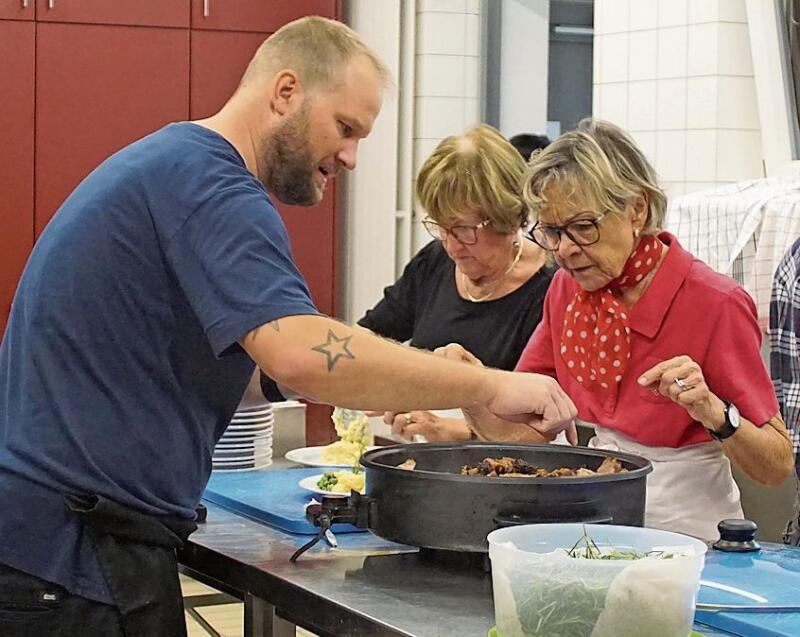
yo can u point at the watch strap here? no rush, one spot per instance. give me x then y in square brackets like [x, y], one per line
[727, 429]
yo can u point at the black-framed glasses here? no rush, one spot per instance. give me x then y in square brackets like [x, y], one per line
[468, 235]
[582, 232]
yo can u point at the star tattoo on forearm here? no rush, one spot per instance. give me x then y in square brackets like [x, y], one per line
[334, 348]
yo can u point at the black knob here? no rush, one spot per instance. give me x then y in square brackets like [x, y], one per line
[737, 536]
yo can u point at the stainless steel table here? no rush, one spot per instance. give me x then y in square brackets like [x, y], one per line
[358, 589]
[353, 590]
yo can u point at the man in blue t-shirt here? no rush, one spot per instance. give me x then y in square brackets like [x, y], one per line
[158, 285]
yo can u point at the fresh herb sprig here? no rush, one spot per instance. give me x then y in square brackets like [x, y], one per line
[590, 551]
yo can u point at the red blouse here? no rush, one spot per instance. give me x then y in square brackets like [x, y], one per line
[688, 309]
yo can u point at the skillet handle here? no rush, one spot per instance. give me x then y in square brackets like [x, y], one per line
[514, 519]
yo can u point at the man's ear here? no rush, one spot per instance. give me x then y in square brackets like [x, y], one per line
[287, 93]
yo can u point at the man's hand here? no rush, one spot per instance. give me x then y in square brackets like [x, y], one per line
[552, 411]
[536, 400]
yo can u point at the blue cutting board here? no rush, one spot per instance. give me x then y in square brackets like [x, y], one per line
[772, 573]
[270, 497]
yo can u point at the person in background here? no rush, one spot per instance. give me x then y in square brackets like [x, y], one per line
[628, 332]
[527, 143]
[147, 302]
[480, 283]
[784, 340]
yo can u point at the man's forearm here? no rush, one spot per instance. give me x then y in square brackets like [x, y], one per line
[334, 363]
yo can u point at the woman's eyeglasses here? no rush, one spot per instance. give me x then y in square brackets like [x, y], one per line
[582, 232]
[468, 235]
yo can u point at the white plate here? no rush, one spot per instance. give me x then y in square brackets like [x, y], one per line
[312, 457]
[263, 433]
[260, 420]
[310, 484]
[248, 427]
[238, 454]
[254, 411]
[243, 444]
[248, 467]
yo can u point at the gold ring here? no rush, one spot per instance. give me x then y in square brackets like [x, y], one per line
[407, 418]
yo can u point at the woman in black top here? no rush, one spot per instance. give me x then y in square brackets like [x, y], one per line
[481, 284]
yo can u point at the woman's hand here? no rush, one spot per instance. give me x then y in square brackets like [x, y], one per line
[424, 423]
[454, 351]
[763, 452]
[681, 380]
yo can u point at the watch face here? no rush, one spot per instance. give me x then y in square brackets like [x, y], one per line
[733, 415]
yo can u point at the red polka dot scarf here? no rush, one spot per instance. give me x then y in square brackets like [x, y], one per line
[596, 342]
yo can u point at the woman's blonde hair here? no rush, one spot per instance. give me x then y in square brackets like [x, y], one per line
[477, 171]
[603, 163]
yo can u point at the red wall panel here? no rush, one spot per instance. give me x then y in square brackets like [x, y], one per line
[17, 50]
[99, 88]
[163, 13]
[264, 15]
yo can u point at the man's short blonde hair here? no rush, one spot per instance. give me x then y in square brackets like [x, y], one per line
[600, 161]
[317, 49]
[479, 171]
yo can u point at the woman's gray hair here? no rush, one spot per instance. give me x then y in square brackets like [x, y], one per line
[602, 162]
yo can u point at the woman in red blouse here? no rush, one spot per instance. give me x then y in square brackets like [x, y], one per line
[654, 347]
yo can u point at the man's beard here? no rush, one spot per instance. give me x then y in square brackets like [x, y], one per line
[285, 166]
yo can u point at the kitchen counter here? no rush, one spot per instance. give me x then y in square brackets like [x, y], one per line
[366, 587]
[352, 590]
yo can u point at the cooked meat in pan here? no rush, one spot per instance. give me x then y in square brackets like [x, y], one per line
[518, 468]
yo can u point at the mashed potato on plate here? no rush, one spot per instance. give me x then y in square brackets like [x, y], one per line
[355, 435]
[342, 481]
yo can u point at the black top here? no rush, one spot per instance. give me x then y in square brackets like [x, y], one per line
[424, 307]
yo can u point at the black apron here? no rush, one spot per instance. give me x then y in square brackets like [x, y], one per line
[137, 554]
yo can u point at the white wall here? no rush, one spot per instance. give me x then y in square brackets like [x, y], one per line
[434, 48]
[678, 75]
[525, 40]
[773, 87]
[370, 193]
[447, 101]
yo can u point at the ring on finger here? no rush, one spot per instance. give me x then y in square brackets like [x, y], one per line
[682, 384]
[407, 418]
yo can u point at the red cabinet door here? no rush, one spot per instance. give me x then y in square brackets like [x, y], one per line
[218, 61]
[17, 10]
[99, 88]
[256, 15]
[17, 50]
[315, 241]
[156, 13]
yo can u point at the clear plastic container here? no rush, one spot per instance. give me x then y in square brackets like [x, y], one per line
[541, 591]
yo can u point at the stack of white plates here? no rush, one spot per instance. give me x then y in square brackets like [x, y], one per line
[247, 442]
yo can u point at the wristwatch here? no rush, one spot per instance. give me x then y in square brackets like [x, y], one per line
[731, 424]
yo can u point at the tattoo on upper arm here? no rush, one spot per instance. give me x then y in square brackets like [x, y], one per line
[275, 325]
[334, 348]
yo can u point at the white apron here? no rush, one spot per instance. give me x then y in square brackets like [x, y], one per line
[690, 489]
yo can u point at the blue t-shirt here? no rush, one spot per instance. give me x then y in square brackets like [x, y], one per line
[120, 367]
